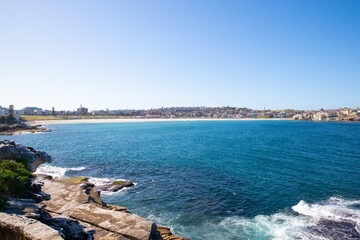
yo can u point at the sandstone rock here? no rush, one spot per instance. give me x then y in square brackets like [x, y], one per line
[26, 207]
[125, 224]
[166, 234]
[13, 151]
[116, 208]
[64, 195]
[13, 227]
[69, 228]
[85, 205]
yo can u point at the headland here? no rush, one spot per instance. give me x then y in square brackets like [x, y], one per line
[70, 208]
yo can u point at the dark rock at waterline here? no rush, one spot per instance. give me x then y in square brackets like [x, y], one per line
[10, 129]
[114, 188]
[115, 185]
[334, 230]
[13, 151]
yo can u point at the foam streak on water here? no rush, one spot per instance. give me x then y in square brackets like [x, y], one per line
[54, 171]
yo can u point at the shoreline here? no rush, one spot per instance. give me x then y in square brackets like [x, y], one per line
[21, 129]
[109, 120]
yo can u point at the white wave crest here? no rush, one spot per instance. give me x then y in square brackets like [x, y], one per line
[279, 226]
[105, 181]
[117, 193]
[54, 171]
[334, 209]
[289, 225]
[286, 225]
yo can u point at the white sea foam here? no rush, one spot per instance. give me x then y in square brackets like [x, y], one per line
[298, 226]
[117, 193]
[335, 209]
[100, 181]
[286, 225]
[276, 226]
[60, 172]
[105, 181]
[54, 171]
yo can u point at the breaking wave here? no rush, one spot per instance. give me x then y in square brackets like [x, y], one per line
[333, 219]
[54, 171]
[60, 172]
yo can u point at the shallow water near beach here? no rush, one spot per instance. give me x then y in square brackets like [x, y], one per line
[221, 179]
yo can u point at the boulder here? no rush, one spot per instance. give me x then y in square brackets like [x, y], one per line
[128, 225]
[13, 151]
[14, 227]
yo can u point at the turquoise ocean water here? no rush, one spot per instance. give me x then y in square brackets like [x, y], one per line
[221, 179]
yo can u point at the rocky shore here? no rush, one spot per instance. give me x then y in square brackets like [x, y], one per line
[11, 129]
[69, 208]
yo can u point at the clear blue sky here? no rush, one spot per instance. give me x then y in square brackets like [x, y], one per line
[146, 54]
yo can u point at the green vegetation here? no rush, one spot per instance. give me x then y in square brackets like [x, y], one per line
[13, 178]
[7, 119]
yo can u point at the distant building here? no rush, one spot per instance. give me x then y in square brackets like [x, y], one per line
[320, 116]
[345, 112]
[82, 110]
[32, 111]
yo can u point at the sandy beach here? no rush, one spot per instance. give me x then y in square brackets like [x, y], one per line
[77, 121]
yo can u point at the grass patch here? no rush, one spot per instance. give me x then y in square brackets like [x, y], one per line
[49, 118]
[39, 118]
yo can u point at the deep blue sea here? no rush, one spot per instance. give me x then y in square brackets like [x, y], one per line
[221, 179]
